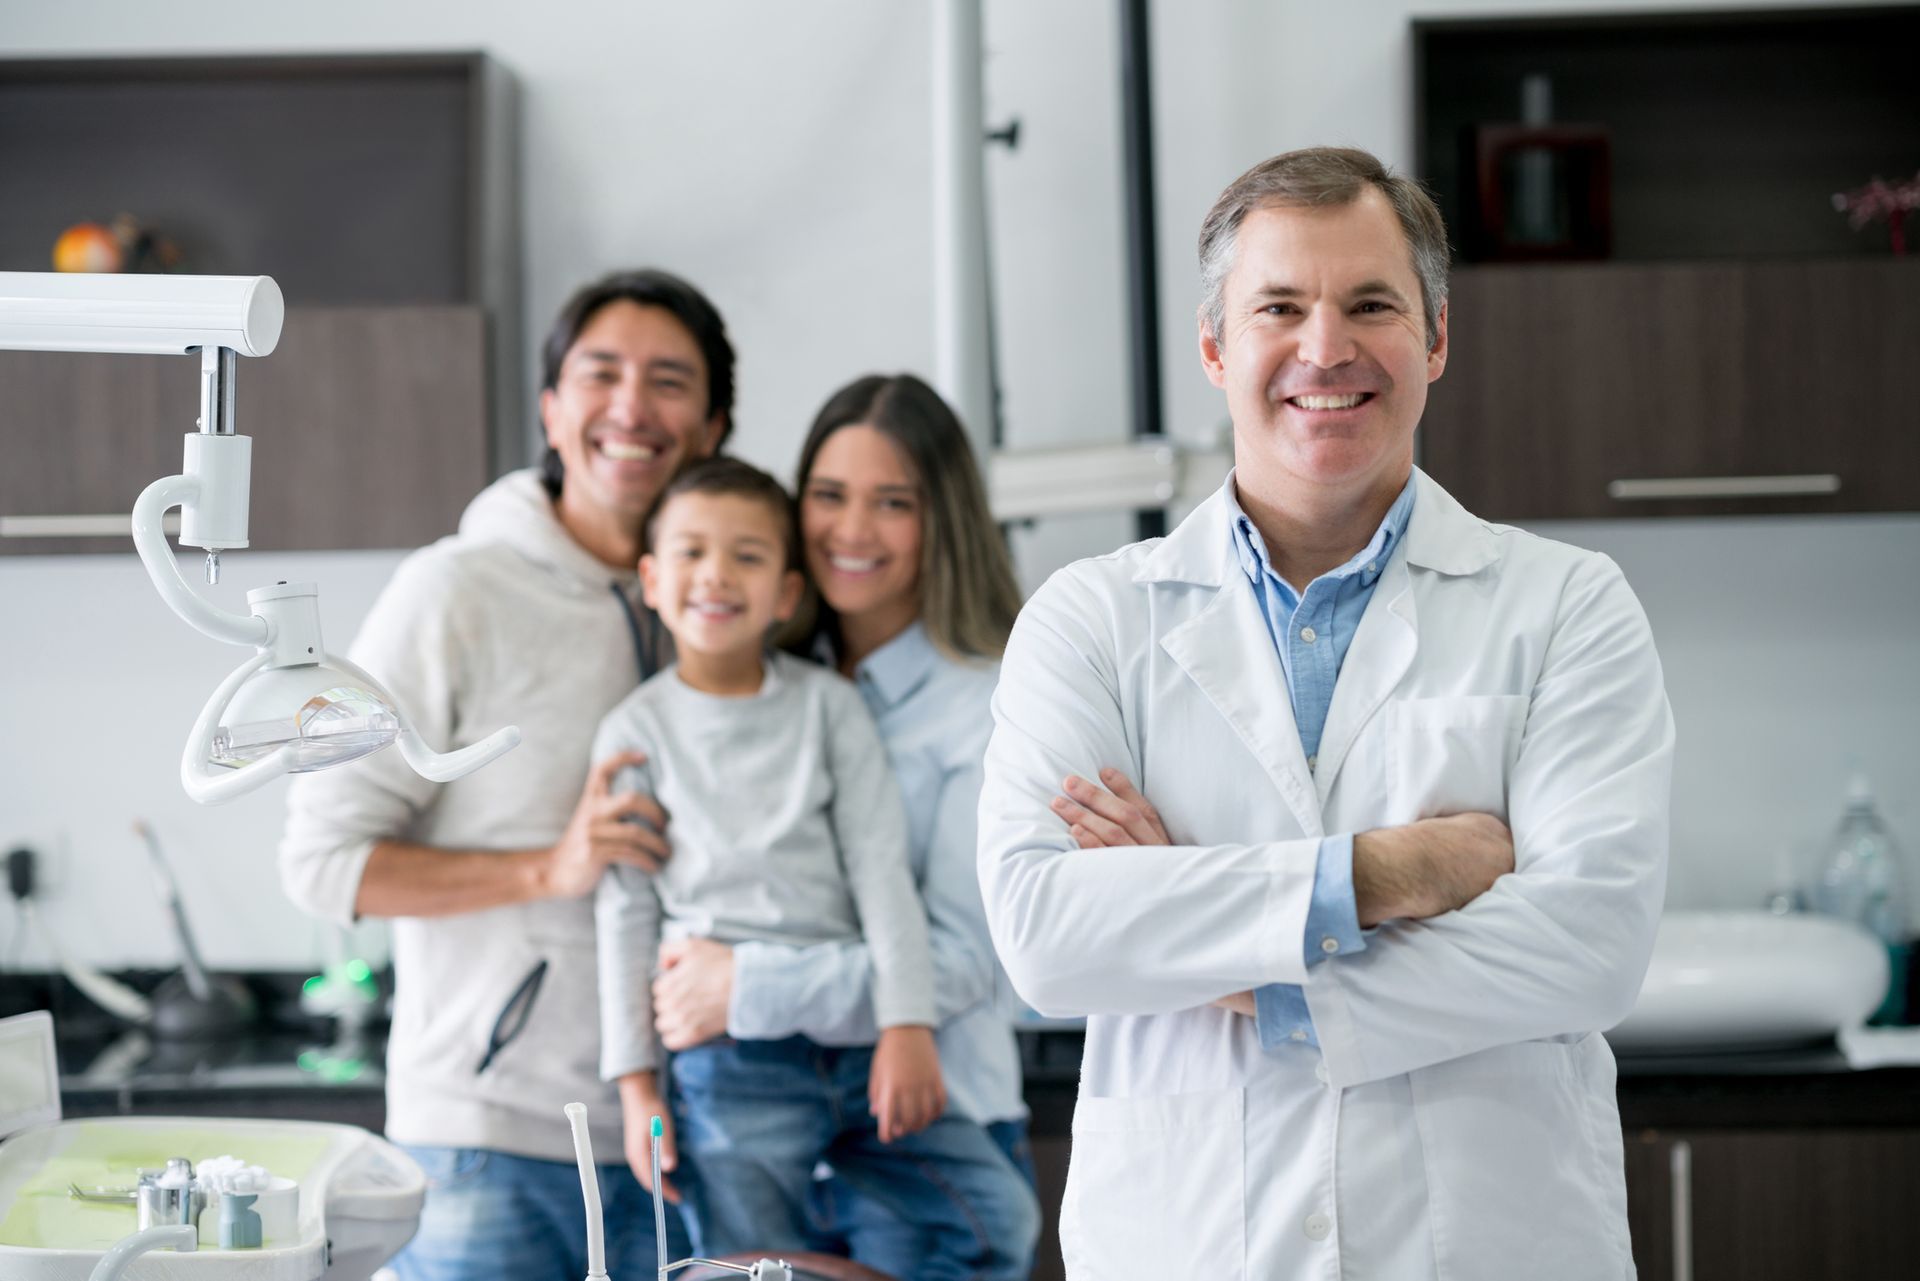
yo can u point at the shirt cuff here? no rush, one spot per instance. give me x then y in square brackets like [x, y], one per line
[1333, 921]
[1281, 1016]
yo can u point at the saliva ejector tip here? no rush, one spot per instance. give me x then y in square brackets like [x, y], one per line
[658, 1128]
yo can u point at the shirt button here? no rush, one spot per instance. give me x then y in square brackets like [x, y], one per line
[1298, 1034]
[1318, 1226]
[1320, 1072]
[1373, 567]
[1313, 762]
[1308, 635]
[1329, 945]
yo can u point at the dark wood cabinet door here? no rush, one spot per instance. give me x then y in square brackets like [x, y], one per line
[1569, 387]
[369, 428]
[1785, 1204]
[1561, 380]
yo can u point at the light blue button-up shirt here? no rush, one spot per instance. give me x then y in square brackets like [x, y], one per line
[935, 715]
[1311, 632]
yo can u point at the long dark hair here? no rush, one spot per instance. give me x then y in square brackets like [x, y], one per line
[968, 596]
[649, 287]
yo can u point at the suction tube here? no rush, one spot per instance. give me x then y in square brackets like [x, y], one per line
[589, 1192]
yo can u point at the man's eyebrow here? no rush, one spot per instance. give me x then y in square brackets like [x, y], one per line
[659, 364]
[1378, 288]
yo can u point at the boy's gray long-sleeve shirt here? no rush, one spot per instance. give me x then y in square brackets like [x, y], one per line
[786, 826]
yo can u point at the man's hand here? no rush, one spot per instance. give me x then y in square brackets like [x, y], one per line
[1115, 815]
[640, 1102]
[1100, 817]
[904, 1090]
[692, 993]
[600, 833]
[1426, 868]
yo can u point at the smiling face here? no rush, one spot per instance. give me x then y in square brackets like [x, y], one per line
[628, 410]
[717, 575]
[1322, 349]
[861, 513]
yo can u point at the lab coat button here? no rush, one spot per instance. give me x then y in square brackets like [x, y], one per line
[1308, 635]
[1329, 945]
[1318, 1226]
[1320, 1072]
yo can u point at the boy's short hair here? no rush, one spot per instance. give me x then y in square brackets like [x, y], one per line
[742, 479]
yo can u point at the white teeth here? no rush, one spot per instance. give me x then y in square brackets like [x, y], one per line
[1328, 402]
[713, 610]
[848, 565]
[621, 452]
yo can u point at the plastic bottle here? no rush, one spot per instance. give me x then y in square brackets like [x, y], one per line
[1862, 882]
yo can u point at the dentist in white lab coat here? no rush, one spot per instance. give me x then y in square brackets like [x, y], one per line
[1340, 1023]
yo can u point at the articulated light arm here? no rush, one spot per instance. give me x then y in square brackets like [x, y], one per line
[292, 706]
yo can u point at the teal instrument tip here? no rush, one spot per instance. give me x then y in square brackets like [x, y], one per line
[658, 1129]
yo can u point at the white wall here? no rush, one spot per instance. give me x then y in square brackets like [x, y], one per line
[777, 155]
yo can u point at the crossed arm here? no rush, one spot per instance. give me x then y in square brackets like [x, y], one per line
[1413, 872]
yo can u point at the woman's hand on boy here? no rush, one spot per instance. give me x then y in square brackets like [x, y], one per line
[693, 992]
[603, 831]
[640, 1102]
[905, 1092]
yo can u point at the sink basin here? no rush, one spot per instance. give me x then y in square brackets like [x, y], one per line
[1752, 980]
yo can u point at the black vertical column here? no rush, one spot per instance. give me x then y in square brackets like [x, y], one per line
[1143, 292]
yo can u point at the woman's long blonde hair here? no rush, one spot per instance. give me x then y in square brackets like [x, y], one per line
[968, 596]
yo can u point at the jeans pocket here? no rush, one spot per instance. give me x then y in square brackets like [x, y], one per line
[448, 1168]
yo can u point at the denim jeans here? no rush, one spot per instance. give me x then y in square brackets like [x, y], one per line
[847, 1221]
[491, 1216]
[756, 1117]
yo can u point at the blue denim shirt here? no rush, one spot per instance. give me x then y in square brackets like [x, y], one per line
[1312, 632]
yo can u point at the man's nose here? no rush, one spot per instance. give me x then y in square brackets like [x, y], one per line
[1326, 339]
[626, 405]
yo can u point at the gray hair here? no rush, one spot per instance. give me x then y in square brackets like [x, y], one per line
[1318, 177]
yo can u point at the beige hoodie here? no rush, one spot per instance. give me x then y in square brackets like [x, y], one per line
[508, 622]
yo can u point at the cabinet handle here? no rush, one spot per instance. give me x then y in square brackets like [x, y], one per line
[1680, 1168]
[112, 525]
[1723, 487]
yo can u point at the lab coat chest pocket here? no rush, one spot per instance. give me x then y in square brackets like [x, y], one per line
[1132, 1207]
[1451, 755]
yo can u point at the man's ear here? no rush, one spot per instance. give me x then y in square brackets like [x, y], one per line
[649, 573]
[712, 433]
[546, 417]
[793, 588]
[1211, 360]
[1437, 354]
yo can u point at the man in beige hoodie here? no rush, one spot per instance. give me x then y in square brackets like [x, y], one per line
[530, 615]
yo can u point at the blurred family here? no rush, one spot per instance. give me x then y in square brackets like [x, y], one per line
[790, 963]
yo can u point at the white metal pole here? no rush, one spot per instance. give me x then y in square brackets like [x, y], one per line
[963, 361]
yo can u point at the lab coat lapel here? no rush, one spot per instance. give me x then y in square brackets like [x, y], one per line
[1382, 652]
[1227, 651]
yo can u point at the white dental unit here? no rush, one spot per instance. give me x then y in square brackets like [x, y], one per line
[73, 1201]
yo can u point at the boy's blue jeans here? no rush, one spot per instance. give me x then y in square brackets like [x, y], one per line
[491, 1216]
[756, 1117]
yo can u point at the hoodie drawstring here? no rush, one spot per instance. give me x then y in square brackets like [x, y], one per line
[643, 647]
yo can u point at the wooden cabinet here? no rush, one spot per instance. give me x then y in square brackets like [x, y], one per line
[1738, 1205]
[368, 428]
[379, 191]
[1569, 388]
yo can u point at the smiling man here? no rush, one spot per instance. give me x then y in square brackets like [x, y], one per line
[530, 616]
[1379, 835]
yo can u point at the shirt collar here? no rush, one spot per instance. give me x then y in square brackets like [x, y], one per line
[1367, 562]
[892, 672]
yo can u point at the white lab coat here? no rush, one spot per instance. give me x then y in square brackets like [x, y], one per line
[1459, 1120]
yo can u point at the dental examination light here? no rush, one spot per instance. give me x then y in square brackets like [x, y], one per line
[292, 707]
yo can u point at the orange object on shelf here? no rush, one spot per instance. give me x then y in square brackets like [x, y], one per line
[88, 246]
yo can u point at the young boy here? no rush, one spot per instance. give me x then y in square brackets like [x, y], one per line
[787, 826]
